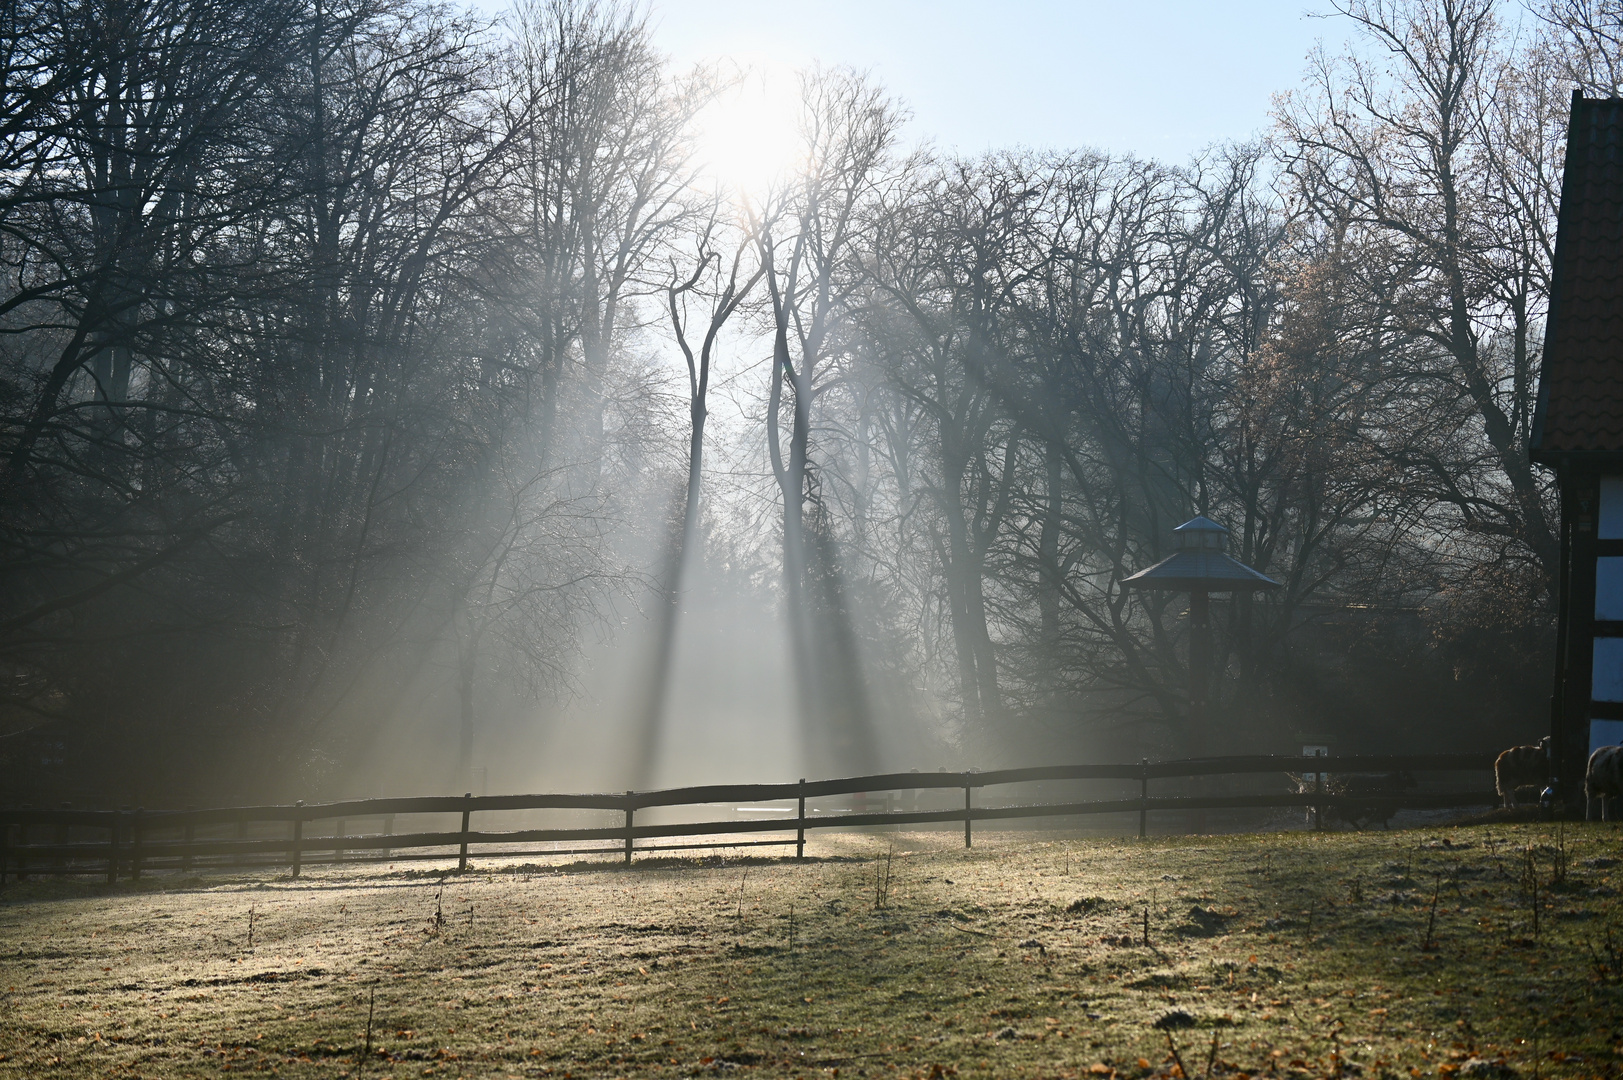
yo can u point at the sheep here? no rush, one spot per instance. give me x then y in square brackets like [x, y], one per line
[1603, 779]
[1521, 766]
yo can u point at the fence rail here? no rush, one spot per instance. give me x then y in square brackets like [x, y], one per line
[138, 840]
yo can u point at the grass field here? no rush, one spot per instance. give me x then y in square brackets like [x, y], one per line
[1467, 952]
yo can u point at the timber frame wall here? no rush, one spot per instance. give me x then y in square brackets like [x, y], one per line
[1572, 705]
[1577, 431]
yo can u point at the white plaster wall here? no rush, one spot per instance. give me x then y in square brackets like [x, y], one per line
[1607, 682]
[1605, 733]
[1611, 508]
[1609, 588]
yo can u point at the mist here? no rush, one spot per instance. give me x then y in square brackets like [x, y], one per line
[412, 401]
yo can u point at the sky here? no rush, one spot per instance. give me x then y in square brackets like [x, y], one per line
[1158, 78]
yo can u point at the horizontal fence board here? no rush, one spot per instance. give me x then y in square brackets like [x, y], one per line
[160, 848]
[1235, 802]
[61, 871]
[95, 819]
[230, 815]
[719, 793]
[1039, 773]
[1362, 763]
[149, 849]
[173, 862]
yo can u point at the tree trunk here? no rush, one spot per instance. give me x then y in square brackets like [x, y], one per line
[791, 480]
[977, 668]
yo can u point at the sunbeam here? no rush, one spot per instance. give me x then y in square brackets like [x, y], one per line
[748, 138]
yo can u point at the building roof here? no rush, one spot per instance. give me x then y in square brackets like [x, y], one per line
[1200, 531]
[1201, 571]
[1199, 564]
[1580, 402]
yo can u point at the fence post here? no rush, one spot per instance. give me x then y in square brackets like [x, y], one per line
[800, 825]
[1318, 791]
[135, 844]
[966, 814]
[127, 813]
[467, 812]
[188, 836]
[112, 847]
[629, 813]
[298, 837]
[62, 837]
[1143, 797]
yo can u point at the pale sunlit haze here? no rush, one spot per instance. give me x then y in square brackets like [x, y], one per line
[747, 137]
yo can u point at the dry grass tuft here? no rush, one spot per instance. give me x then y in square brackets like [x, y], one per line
[893, 955]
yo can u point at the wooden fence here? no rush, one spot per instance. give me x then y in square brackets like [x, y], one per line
[44, 841]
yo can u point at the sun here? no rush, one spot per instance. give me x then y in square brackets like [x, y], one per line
[748, 139]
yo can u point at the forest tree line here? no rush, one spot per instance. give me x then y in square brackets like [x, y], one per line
[344, 342]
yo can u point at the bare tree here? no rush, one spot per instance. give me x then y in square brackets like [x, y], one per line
[1435, 156]
[722, 278]
[1588, 45]
[849, 129]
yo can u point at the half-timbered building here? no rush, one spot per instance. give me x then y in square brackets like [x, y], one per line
[1578, 432]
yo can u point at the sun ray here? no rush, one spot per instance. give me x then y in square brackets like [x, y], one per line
[748, 138]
